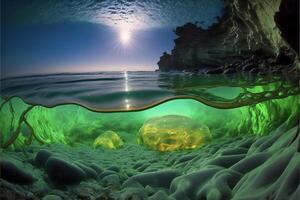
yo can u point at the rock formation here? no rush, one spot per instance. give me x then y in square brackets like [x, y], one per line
[247, 30]
[287, 20]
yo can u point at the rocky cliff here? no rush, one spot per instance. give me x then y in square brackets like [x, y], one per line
[249, 29]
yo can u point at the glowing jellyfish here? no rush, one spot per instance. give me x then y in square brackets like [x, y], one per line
[108, 140]
[173, 132]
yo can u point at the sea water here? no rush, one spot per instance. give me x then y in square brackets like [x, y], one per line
[98, 119]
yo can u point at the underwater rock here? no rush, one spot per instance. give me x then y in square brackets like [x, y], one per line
[250, 162]
[287, 20]
[227, 161]
[135, 193]
[12, 173]
[243, 167]
[114, 168]
[51, 197]
[10, 191]
[112, 180]
[96, 168]
[106, 173]
[219, 186]
[160, 195]
[272, 172]
[42, 157]
[161, 178]
[233, 151]
[109, 140]
[64, 173]
[278, 175]
[90, 172]
[187, 186]
[173, 132]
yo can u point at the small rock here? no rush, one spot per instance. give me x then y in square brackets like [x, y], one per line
[90, 173]
[114, 168]
[12, 173]
[137, 165]
[95, 167]
[64, 173]
[106, 173]
[112, 180]
[42, 157]
[133, 193]
[51, 197]
[159, 195]
[161, 178]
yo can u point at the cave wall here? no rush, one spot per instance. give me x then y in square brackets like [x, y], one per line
[247, 29]
[287, 20]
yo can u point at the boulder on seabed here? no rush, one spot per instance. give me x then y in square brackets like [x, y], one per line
[63, 172]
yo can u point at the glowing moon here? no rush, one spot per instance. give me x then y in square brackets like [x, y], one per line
[125, 36]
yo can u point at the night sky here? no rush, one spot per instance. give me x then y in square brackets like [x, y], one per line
[46, 36]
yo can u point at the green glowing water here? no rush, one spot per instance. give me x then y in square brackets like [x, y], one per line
[72, 124]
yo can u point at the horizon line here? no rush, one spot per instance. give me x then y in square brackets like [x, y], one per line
[69, 73]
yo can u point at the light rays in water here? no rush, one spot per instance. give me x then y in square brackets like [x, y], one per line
[127, 90]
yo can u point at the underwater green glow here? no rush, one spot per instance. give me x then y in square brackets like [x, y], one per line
[73, 124]
[109, 140]
[173, 132]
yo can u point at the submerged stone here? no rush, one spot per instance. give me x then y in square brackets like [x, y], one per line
[42, 157]
[64, 173]
[14, 174]
[173, 132]
[161, 178]
[52, 197]
[90, 172]
[108, 140]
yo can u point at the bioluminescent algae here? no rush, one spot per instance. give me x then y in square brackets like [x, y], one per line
[72, 123]
[154, 140]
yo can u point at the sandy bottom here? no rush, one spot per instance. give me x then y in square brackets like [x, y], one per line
[228, 168]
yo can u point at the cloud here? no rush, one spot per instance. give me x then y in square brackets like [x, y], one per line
[134, 13]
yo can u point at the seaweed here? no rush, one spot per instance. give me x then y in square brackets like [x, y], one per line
[22, 120]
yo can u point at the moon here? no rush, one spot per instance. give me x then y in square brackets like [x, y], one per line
[125, 36]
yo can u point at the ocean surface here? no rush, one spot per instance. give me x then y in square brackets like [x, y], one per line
[123, 91]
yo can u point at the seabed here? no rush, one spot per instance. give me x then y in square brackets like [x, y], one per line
[70, 152]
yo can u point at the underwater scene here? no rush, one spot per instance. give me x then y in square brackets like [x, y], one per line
[149, 100]
[184, 136]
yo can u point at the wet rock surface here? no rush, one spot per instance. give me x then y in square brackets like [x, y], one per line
[51, 197]
[227, 168]
[15, 174]
[41, 158]
[246, 32]
[287, 20]
[63, 172]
